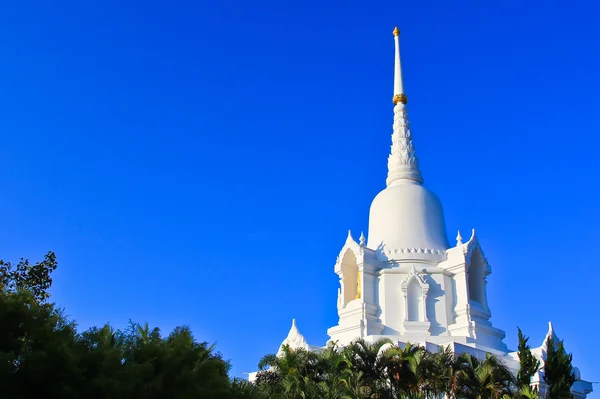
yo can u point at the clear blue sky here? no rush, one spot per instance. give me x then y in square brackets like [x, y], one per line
[195, 162]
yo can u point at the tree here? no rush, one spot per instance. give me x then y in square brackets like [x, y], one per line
[37, 357]
[406, 368]
[370, 360]
[176, 366]
[529, 365]
[526, 392]
[446, 372]
[298, 373]
[43, 356]
[382, 370]
[35, 279]
[558, 370]
[487, 379]
[36, 354]
[100, 354]
[242, 389]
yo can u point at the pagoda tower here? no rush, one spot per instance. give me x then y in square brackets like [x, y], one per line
[404, 281]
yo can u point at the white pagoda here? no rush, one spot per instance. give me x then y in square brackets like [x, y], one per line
[406, 282]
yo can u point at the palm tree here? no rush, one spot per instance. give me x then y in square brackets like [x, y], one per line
[331, 361]
[290, 374]
[416, 372]
[487, 379]
[401, 366]
[527, 392]
[143, 333]
[370, 361]
[352, 384]
[381, 370]
[446, 372]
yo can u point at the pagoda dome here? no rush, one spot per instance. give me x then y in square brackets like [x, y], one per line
[407, 216]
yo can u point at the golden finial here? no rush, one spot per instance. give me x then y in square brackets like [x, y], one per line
[400, 98]
[396, 31]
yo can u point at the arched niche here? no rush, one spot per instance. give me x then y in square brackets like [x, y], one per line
[415, 291]
[414, 297]
[477, 278]
[349, 278]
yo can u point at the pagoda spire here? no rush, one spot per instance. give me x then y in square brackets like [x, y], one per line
[403, 164]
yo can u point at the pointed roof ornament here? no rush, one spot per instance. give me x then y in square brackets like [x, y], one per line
[362, 239]
[403, 164]
[349, 238]
[550, 334]
[294, 339]
[543, 349]
[399, 96]
[473, 237]
[459, 239]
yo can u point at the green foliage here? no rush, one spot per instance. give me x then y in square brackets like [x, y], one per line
[43, 356]
[529, 364]
[526, 392]
[34, 279]
[381, 370]
[485, 379]
[140, 363]
[242, 389]
[558, 371]
[37, 357]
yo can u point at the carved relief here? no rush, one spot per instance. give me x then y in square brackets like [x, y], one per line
[402, 151]
[382, 253]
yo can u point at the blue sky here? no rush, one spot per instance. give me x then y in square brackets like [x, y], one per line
[200, 163]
